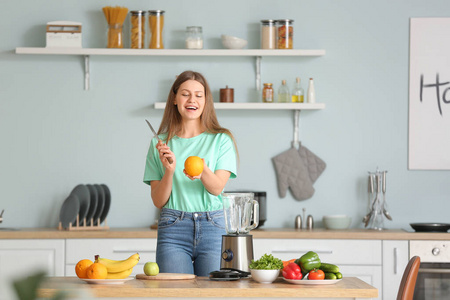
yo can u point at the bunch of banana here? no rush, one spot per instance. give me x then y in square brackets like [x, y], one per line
[118, 269]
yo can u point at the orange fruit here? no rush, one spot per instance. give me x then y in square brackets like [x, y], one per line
[82, 266]
[97, 271]
[193, 166]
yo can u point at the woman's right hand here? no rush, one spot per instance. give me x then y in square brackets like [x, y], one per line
[165, 154]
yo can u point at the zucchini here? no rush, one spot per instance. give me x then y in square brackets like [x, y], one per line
[329, 268]
[338, 275]
[331, 276]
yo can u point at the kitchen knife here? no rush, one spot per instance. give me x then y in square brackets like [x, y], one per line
[170, 160]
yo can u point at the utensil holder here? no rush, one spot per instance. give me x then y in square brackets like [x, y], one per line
[85, 227]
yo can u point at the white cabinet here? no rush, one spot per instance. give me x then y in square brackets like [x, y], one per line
[78, 249]
[395, 259]
[21, 258]
[355, 258]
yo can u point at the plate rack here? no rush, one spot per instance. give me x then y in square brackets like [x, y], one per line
[80, 227]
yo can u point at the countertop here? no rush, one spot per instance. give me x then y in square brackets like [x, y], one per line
[202, 287]
[278, 233]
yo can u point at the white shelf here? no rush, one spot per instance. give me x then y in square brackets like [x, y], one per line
[258, 106]
[87, 52]
[168, 52]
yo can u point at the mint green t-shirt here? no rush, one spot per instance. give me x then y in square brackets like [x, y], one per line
[191, 196]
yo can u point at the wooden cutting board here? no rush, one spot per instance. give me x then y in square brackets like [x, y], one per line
[166, 276]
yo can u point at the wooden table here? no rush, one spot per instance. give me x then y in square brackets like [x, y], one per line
[202, 287]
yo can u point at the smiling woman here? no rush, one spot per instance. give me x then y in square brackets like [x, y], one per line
[191, 203]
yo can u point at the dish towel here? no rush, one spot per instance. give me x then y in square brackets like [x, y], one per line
[298, 170]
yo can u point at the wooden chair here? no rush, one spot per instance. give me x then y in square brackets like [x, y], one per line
[408, 283]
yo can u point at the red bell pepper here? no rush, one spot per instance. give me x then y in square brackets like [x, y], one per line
[292, 271]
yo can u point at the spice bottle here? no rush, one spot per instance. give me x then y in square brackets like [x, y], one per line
[194, 37]
[268, 34]
[311, 92]
[285, 34]
[297, 92]
[283, 93]
[137, 29]
[267, 93]
[156, 24]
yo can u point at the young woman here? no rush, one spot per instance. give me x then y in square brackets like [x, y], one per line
[191, 223]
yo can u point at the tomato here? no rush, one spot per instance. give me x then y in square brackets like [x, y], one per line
[316, 274]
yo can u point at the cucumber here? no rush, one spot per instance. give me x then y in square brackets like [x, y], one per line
[331, 276]
[329, 268]
[338, 275]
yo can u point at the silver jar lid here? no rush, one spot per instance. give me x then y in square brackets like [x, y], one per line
[194, 28]
[156, 12]
[137, 12]
[268, 22]
[284, 21]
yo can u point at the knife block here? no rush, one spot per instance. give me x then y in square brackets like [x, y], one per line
[80, 227]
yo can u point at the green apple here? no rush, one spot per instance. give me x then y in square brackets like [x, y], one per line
[151, 268]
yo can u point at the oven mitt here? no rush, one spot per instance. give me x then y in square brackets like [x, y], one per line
[315, 165]
[292, 173]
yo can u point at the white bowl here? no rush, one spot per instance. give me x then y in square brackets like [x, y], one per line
[232, 42]
[264, 276]
[337, 221]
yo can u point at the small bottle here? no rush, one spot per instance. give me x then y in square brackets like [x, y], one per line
[194, 37]
[311, 92]
[283, 93]
[297, 92]
[267, 93]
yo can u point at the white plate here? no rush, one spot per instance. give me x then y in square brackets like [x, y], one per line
[107, 281]
[306, 281]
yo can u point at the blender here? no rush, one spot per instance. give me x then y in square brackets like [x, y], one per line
[240, 209]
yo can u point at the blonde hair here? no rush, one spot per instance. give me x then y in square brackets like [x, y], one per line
[171, 121]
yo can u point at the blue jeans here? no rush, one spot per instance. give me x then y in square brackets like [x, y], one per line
[189, 242]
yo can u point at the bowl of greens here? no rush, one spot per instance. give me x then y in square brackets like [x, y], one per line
[266, 269]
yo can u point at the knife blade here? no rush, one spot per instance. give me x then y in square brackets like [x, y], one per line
[170, 160]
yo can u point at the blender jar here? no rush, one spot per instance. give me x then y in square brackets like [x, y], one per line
[238, 210]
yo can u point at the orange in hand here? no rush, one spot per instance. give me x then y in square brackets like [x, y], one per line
[97, 271]
[193, 166]
[82, 266]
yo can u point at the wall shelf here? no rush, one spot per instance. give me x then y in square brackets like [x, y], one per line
[259, 106]
[87, 52]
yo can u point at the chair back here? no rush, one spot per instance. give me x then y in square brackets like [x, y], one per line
[408, 283]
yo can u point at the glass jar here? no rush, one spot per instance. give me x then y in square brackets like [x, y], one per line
[268, 34]
[156, 24]
[137, 29]
[115, 36]
[285, 34]
[267, 93]
[194, 37]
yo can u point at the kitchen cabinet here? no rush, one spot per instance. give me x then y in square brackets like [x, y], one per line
[395, 259]
[87, 52]
[355, 258]
[118, 249]
[19, 258]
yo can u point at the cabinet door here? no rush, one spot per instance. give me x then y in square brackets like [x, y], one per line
[21, 258]
[395, 259]
[118, 249]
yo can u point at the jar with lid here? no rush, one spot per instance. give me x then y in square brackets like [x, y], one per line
[268, 34]
[137, 29]
[267, 93]
[156, 24]
[194, 37]
[285, 34]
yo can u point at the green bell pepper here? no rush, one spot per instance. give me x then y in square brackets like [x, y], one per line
[308, 261]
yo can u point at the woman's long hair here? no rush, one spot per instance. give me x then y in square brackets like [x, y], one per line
[171, 121]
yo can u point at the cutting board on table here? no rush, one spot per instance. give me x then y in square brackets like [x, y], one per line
[166, 276]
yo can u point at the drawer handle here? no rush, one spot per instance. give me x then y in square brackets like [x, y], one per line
[133, 251]
[299, 251]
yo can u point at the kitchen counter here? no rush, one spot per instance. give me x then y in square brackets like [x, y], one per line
[202, 287]
[277, 233]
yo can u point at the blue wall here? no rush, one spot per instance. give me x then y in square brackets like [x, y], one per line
[55, 135]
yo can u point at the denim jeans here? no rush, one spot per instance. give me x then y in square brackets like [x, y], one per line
[189, 242]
